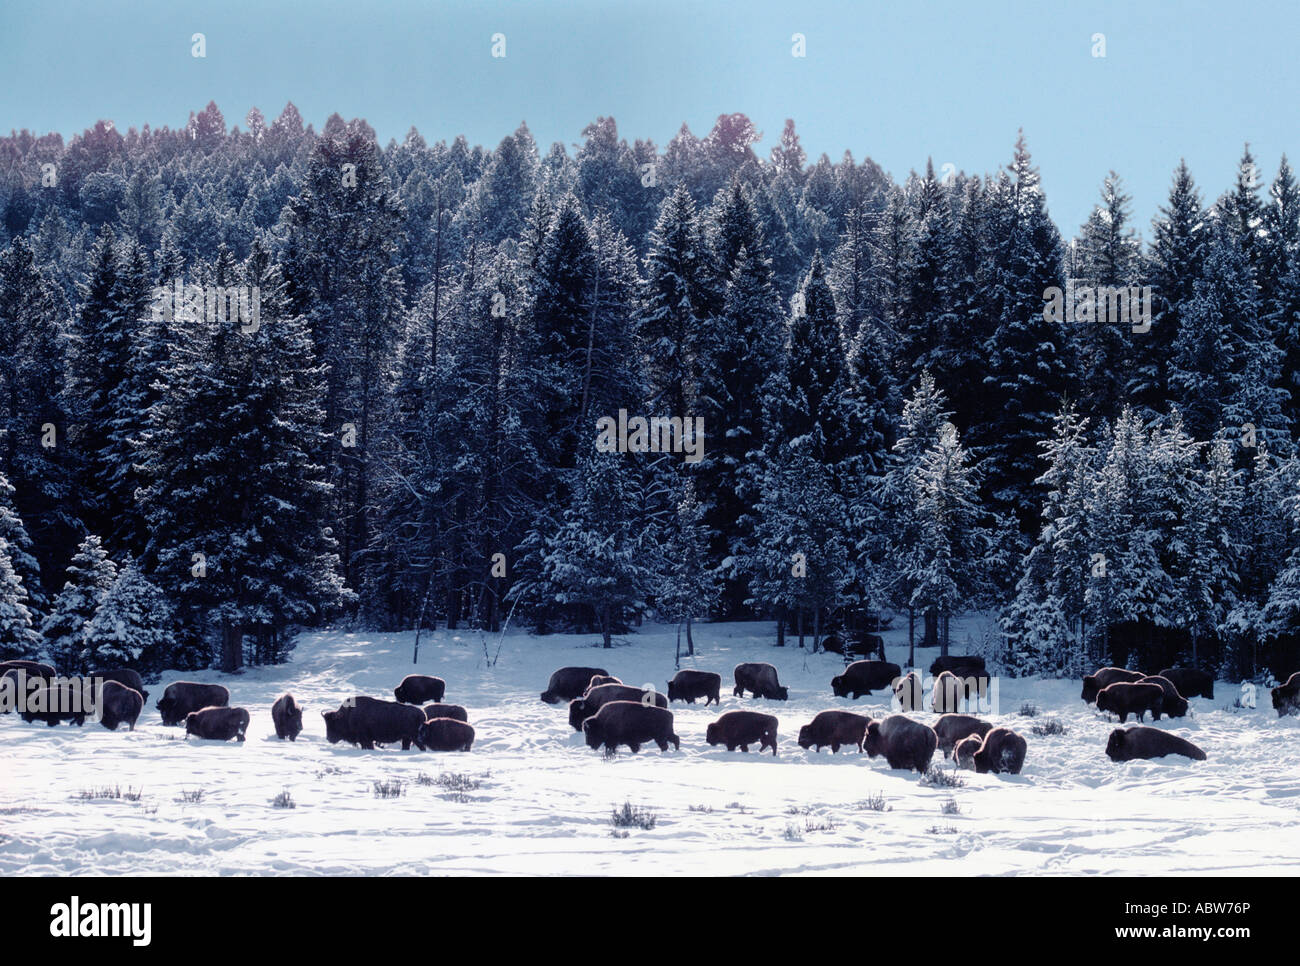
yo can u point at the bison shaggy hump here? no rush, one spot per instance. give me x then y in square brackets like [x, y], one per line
[952, 728]
[124, 676]
[419, 688]
[1125, 699]
[968, 665]
[182, 697]
[630, 723]
[689, 684]
[1191, 682]
[1175, 705]
[598, 679]
[834, 728]
[1001, 751]
[742, 729]
[568, 683]
[760, 680]
[904, 743]
[217, 724]
[863, 677]
[909, 692]
[1144, 742]
[432, 711]
[118, 703]
[286, 715]
[1107, 676]
[369, 721]
[580, 709]
[1286, 697]
[446, 734]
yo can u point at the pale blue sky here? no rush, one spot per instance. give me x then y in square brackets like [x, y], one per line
[897, 81]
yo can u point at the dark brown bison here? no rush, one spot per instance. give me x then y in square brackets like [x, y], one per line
[1175, 705]
[1001, 751]
[1143, 742]
[59, 699]
[124, 676]
[1286, 697]
[834, 728]
[952, 728]
[580, 709]
[630, 723]
[570, 682]
[446, 734]
[598, 679]
[1106, 677]
[742, 729]
[688, 684]
[369, 721]
[181, 698]
[455, 711]
[904, 743]
[965, 665]
[1191, 682]
[863, 677]
[34, 669]
[760, 680]
[118, 703]
[217, 724]
[909, 692]
[286, 715]
[419, 688]
[964, 751]
[1125, 699]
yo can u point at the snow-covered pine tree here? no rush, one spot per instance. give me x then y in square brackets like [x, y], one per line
[132, 627]
[90, 575]
[18, 639]
[687, 586]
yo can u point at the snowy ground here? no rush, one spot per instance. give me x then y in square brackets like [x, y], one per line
[543, 799]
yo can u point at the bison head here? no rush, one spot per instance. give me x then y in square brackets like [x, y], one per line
[672, 692]
[591, 732]
[1089, 693]
[782, 693]
[805, 736]
[333, 733]
[874, 742]
[577, 713]
[1105, 701]
[711, 734]
[1115, 745]
[837, 686]
[964, 752]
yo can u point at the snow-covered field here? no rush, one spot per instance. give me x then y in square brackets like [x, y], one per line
[542, 801]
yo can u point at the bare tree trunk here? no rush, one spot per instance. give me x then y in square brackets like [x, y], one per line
[800, 619]
[911, 637]
[690, 641]
[780, 627]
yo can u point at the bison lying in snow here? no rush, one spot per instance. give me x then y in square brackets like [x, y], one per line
[286, 715]
[910, 692]
[368, 722]
[1174, 705]
[863, 677]
[967, 665]
[181, 698]
[1107, 676]
[1286, 697]
[217, 724]
[570, 682]
[432, 711]
[1191, 682]
[630, 723]
[419, 688]
[688, 684]
[952, 728]
[123, 676]
[742, 729]
[445, 734]
[760, 680]
[1125, 699]
[1144, 742]
[904, 743]
[834, 728]
[1001, 751]
[118, 703]
[580, 709]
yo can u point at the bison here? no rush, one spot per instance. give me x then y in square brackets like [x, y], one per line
[419, 688]
[118, 703]
[455, 711]
[1286, 697]
[1104, 678]
[630, 723]
[743, 728]
[580, 709]
[598, 679]
[570, 682]
[966, 665]
[1191, 682]
[445, 734]
[863, 677]
[760, 680]
[1125, 699]
[949, 692]
[904, 743]
[181, 698]
[1001, 751]
[964, 751]
[59, 699]
[834, 728]
[1143, 742]
[124, 676]
[909, 692]
[369, 721]
[688, 684]
[217, 724]
[952, 728]
[34, 669]
[1175, 705]
[286, 715]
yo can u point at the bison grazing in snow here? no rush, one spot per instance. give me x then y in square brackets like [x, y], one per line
[969, 665]
[181, 698]
[964, 751]
[1144, 742]
[419, 688]
[445, 734]
[742, 729]
[1191, 682]
[286, 715]
[863, 677]
[217, 724]
[1107, 676]
[432, 711]
[568, 683]
[834, 728]
[760, 680]
[59, 699]
[1286, 697]
[123, 676]
[630, 723]
[580, 709]
[688, 684]
[118, 703]
[1175, 705]
[1001, 751]
[952, 728]
[368, 721]
[904, 743]
[1125, 699]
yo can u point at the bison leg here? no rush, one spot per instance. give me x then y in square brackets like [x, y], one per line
[635, 746]
[835, 747]
[368, 745]
[662, 743]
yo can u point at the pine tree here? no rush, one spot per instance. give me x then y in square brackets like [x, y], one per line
[90, 575]
[687, 587]
[131, 627]
[17, 638]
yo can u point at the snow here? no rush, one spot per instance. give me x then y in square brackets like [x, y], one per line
[544, 802]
